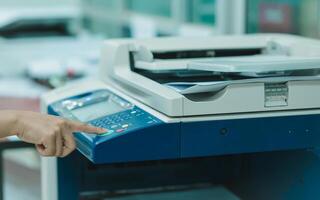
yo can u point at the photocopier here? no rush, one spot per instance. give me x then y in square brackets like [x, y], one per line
[232, 116]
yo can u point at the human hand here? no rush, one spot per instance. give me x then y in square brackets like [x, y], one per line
[51, 135]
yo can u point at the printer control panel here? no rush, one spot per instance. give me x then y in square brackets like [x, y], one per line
[102, 108]
[124, 121]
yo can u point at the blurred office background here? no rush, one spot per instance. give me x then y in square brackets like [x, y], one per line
[46, 43]
[129, 18]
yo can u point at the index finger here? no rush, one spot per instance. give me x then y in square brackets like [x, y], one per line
[78, 126]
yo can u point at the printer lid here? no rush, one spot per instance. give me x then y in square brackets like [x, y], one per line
[208, 70]
[160, 60]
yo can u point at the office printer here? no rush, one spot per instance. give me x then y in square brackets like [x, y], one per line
[189, 98]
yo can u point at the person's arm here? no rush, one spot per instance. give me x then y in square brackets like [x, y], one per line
[51, 135]
[8, 120]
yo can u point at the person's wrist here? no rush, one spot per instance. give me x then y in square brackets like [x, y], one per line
[14, 123]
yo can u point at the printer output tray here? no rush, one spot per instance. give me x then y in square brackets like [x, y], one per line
[256, 65]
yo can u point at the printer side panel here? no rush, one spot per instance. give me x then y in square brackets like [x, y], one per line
[237, 136]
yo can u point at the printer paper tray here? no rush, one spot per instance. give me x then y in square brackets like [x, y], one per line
[260, 64]
[216, 86]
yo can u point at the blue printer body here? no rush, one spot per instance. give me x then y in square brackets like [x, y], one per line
[142, 151]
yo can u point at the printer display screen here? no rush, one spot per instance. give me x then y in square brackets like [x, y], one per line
[97, 110]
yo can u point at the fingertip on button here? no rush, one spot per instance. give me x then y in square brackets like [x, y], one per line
[106, 133]
[103, 130]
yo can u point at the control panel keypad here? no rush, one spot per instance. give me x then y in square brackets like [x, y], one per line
[121, 122]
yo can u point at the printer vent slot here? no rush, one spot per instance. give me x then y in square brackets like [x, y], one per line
[206, 53]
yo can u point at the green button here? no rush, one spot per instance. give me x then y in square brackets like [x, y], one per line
[107, 133]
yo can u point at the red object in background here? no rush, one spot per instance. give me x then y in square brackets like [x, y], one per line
[276, 17]
[14, 103]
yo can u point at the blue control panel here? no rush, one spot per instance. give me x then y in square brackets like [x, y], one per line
[126, 126]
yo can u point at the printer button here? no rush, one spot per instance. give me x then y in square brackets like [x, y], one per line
[120, 130]
[125, 126]
[114, 126]
[106, 133]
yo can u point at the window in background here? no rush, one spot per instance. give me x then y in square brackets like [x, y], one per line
[121, 18]
[202, 11]
[284, 16]
[158, 8]
[103, 17]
